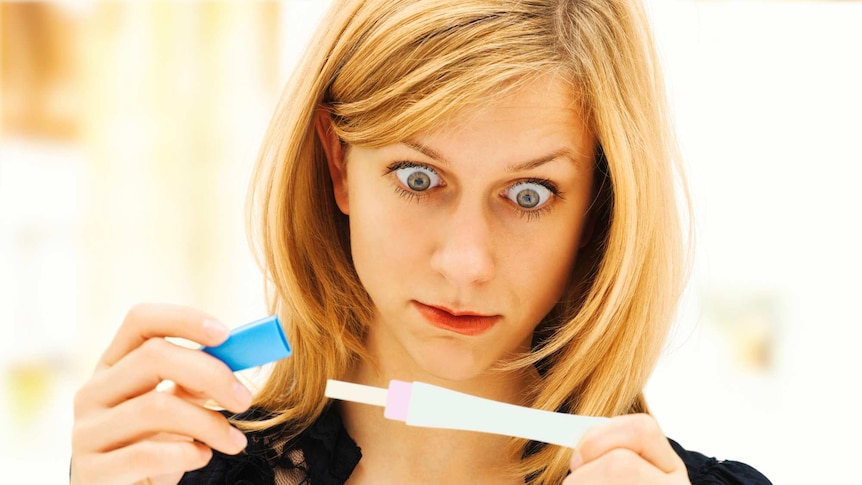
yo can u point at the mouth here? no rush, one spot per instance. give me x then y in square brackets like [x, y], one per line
[461, 322]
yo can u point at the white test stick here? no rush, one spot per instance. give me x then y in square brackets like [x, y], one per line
[426, 405]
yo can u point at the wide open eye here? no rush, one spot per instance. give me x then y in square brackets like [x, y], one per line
[529, 195]
[417, 178]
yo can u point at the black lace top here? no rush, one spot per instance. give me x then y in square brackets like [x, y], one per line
[324, 454]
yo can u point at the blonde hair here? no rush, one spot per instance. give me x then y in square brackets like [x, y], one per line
[389, 69]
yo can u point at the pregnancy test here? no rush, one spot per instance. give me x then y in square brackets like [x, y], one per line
[426, 405]
[253, 344]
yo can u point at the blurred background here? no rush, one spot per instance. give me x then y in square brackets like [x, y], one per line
[129, 130]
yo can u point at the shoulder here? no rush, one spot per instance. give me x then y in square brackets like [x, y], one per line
[704, 470]
[252, 466]
[322, 454]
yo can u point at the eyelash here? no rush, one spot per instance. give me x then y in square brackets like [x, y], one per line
[530, 214]
[535, 214]
[406, 193]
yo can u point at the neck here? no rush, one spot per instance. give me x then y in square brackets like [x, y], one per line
[393, 452]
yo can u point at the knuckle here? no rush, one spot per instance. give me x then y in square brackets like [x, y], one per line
[80, 400]
[159, 405]
[642, 425]
[82, 470]
[199, 458]
[153, 349]
[79, 431]
[215, 373]
[622, 461]
[204, 380]
[155, 457]
[591, 434]
[136, 313]
[223, 375]
[590, 444]
[221, 428]
[148, 456]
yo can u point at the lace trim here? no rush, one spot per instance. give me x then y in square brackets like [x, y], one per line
[324, 454]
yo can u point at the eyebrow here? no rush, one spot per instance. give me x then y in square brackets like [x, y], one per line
[528, 165]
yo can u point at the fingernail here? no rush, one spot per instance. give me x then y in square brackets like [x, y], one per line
[216, 329]
[243, 396]
[576, 460]
[238, 437]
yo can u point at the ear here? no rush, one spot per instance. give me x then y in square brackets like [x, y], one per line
[334, 157]
[588, 229]
[600, 185]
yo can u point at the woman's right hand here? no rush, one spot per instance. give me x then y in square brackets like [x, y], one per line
[128, 432]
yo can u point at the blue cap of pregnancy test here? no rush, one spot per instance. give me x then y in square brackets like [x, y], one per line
[253, 344]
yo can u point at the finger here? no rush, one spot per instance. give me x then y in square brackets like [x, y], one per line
[152, 414]
[639, 433]
[157, 360]
[193, 397]
[140, 461]
[146, 321]
[619, 466]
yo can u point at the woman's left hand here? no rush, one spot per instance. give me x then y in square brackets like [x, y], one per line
[627, 449]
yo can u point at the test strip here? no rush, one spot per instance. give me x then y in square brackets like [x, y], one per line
[347, 391]
[426, 405]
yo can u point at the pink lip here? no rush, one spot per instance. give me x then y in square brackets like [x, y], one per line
[462, 322]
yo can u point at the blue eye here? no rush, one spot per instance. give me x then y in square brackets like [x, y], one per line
[417, 178]
[529, 195]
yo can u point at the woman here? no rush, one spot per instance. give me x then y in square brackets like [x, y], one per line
[474, 194]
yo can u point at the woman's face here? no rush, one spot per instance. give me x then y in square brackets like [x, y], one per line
[465, 236]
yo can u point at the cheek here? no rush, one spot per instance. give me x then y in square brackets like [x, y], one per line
[386, 243]
[544, 267]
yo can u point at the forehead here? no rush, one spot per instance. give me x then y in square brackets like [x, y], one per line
[531, 100]
[540, 115]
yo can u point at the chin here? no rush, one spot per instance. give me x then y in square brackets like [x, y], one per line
[444, 363]
[453, 374]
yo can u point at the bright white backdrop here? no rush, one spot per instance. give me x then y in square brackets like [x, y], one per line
[768, 104]
[763, 363]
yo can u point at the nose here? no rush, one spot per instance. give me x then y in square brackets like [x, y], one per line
[464, 253]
